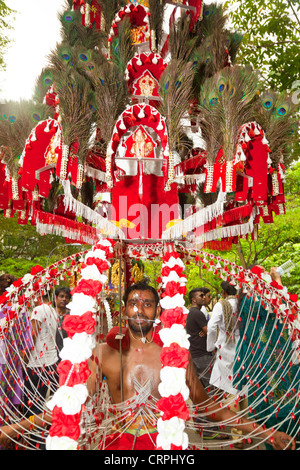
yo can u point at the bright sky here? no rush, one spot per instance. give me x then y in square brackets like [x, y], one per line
[36, 32]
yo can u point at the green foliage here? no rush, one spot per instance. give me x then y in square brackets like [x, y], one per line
[21, 247]
[271, 41]
[280, 241]
[6, 14]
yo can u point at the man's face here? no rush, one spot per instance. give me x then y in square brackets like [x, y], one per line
[62, 300]
[198, 299]
[141, 311]
[207, 299]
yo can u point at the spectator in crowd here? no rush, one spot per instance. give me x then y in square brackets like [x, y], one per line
[207, 301]
[196, 327]
[62, 298]
[222, 338]
[43, 357]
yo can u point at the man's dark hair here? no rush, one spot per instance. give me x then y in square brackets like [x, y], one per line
[228, 288]
[142, 285]
[63, 289]
[205, 290]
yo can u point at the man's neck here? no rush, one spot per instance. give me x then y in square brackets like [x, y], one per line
[61, 310]
[138, 340]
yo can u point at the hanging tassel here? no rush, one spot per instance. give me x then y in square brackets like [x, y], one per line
[64, 162]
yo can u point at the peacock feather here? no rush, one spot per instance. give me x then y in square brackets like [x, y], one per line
[43, 83]
[110, 95]
[17, 120]
[181, 43]
[157, 10]
[122, 49]
[109, 8]
[275, 112]
[176, 93]
[76, 113]
[226, 103]
[73, 32]
[216, 48]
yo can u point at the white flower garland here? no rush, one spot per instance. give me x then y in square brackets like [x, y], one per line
[78, 348]
[173, 379]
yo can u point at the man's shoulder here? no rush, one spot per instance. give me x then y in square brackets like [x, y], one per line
[193, 311]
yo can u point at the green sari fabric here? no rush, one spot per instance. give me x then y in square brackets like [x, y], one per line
[265, 362]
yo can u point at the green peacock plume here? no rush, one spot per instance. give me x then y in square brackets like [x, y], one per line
[17, 120]
[276, 113]
[226, 103]
[111, 98]
[175, 94]
[76, 109]
[157, 10]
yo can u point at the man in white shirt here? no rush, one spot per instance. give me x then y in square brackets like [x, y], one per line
[222, 337]
[43, 358]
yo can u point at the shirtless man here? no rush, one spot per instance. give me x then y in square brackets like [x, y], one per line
[141, 365]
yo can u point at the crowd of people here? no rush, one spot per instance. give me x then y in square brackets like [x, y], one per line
[216, 334]
[29, 354]
[219, 344]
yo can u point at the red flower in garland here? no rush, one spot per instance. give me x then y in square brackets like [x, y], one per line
[257, 270]
[101, 264]
[53, 272]
[172, 254]
[88, 287]
[276, 285]
[293, 297]
[79, 324]
[36, 269]
[166, 270]
[18, 282]
[65, 425]
[174, 315]
[79, 374]
[174, 356]
[173, 288]
[4, 297]
[173, 405]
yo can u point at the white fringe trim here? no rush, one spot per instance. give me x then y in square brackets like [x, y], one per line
[89, 214]
[196, 220]
[95, 174]
[47, 229]
[230, 231]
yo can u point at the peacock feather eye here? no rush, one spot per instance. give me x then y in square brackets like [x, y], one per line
[12, 118]
[69, 17]
[36, 117]
[282, 110]
[221, 85]
[213, 101]
[268, 104]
